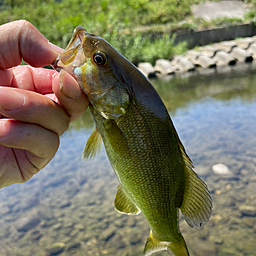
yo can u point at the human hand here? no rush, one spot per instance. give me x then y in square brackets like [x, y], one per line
[34, 110]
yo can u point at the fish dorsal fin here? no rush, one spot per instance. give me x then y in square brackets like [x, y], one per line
[185, 156]
[93, 145]
[124, 204]
[197, 203]
[177, 247]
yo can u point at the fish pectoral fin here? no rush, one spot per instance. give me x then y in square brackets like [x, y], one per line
[197, 202]
[116, 137]
[93, 145]
[177, 247]
[124, 204]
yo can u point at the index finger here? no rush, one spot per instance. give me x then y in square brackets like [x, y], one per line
[20, 39]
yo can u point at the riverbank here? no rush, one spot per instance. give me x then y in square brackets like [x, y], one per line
[208, 56]
[137, 29]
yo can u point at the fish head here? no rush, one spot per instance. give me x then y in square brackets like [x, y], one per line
[97, 67]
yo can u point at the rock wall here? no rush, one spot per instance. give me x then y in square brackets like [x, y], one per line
[204, 37]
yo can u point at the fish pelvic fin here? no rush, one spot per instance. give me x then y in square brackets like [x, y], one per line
[197, 202]
[124, 204]
[176, 248]
[93, 145]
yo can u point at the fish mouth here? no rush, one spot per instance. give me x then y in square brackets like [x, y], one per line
[73, 54]
[55, 65]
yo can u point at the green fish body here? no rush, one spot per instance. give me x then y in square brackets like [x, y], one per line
[150, 162]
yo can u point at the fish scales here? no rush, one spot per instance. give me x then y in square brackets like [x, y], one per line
[150, 162]
[156, 183]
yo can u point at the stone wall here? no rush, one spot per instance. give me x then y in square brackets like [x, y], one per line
[204, 37]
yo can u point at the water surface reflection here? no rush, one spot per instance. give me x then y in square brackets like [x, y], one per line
[67, 208]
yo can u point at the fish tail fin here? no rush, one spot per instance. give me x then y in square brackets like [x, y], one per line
[176, 248]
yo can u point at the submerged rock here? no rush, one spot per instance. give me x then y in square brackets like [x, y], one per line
[55, 249]
[27, 223]
[247, 210]
[204, 248]
[108, 234]
[221, 169]
[46, 212]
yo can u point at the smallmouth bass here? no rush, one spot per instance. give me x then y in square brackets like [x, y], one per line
[155, 174]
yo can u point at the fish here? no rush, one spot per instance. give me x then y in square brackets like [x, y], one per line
[156, 176]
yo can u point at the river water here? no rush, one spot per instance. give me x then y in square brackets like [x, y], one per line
[67, 208]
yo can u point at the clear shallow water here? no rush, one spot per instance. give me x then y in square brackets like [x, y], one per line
[70, 202]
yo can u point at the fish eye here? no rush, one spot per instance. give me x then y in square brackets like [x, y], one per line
[100, 58]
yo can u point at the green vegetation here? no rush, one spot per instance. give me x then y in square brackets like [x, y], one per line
[251, 15]
[114, 20]
[139, 29]
[219, 22]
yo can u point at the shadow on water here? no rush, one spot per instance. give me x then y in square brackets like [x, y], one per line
[67, 209]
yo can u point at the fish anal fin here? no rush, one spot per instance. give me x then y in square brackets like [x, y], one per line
[93, 145]
[176, 248]
[123, 203]
[197, 203]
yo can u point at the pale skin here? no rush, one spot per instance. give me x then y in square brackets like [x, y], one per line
[34, 111]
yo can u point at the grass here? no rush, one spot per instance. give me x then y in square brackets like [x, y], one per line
[142, 30]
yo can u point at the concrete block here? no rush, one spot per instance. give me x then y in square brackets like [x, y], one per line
[223, 58]
[192, 55]
[183, 64]
[254, 39]
[244, 42]
[147, 69]
[205, 62]
[209, 51]
[164, 67]
[241, 54]
[226, 46]
[252, 50]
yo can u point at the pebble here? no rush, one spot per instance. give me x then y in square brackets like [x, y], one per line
[74, 245]
[4, 210]
[135, 239]
[27, 223]
[45, 212]
[218, 240]
[30, 202]
[221, 169]
[248, 221]
[55, 249]
[57, 226]
[65, 204]
[58, 181]
[204, 248]
[247, 210]
[36, 235]
[108, 233]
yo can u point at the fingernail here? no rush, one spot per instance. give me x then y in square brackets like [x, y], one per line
[55, 47]
[68, 85]
[4, 129]
[11, 99]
